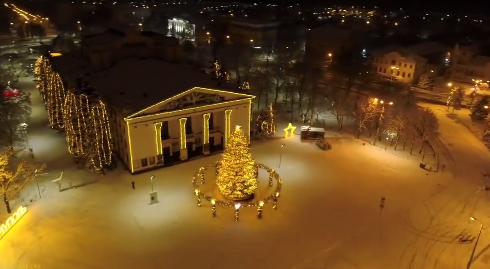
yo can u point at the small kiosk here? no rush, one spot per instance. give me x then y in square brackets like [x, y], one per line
[312, 133]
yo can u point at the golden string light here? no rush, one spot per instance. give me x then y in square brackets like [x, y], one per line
[158, 137]
[87, 130]
[183, 138]
[237, 175]
[227, 125]
[205, 130]
[269, 126]
[84, 118]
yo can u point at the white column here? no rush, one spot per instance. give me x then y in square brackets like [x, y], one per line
[227, 126]
[183, 140]
[158, 141]
[205, 134]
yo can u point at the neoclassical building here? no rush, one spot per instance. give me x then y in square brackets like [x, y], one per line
[161, 111]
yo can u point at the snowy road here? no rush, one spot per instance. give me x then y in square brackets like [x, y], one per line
[328, 214]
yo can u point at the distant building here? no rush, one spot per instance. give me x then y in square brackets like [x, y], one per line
[327, 41]
[160, 111]
[466, 65]
[255, 32]
[181, 29]
[398, 64]
[408, 64]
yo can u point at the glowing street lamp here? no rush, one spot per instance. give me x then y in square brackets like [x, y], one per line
[476, 243]
[280, 155]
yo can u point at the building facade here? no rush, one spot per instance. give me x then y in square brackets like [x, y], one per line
[467, 66]
[193, 123]
[256, 33]
[398, 64]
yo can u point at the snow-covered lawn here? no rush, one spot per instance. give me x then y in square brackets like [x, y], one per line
[328, 214]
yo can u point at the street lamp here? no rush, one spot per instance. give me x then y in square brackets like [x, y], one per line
[280, 155]
[151, 179]
[392, 72]
[476, 243]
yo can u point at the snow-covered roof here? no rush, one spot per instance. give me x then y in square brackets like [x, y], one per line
[107, 37]
[428, 48]
[135, 84]
[70, 66]
[480, 60]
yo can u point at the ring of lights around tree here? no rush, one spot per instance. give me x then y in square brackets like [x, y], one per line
[199, 180]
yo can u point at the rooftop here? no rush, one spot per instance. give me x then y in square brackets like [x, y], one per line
[112, 35]
[135, 84]
[428, 48]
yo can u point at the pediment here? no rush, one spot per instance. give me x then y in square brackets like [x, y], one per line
[195, 97]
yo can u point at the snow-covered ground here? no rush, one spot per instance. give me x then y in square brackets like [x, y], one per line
[328, 214]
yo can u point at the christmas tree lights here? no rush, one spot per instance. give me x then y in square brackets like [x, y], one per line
[236, 177]
[55, 99]
[87, 130]
[42, 72]
[268, 125]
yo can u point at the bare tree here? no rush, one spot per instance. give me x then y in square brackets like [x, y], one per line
[395, 126]
[366, 112]
[14, 115]
[425, 125]
[15, 173]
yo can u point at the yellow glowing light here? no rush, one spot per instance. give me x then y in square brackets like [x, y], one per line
[261, 203]
[178, 96]
[205, 130]
[128, 131]
[289, 131]
[213, 202]
[87, 129]
[183, 135]
[158, 137]
[55, 54]
[227, 125]
[236, 178]
[11, 221]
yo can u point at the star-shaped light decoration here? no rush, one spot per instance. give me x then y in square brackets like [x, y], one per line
[289, 131]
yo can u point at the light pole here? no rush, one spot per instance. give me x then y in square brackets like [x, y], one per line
[476, 243]
[393, 68]
[37, 183]
[151, 179]
[280, 155]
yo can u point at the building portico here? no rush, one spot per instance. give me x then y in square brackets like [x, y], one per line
[196, 122]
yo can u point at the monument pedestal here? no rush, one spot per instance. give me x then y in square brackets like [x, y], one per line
[153, 197]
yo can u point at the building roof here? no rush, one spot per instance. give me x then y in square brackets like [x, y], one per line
[400, 50]
[70, 66]
[135, 84]
[480, 60]
[428, 48]
[106, 37]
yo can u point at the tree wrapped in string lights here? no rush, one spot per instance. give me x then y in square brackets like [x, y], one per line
[237, 174]
[55, 99]
[87, 129]
[42, 73]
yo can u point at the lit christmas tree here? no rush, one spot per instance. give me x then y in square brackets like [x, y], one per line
[42, 72]
[268, 125]
[87, 129]
[55, 99]
[236, 177]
